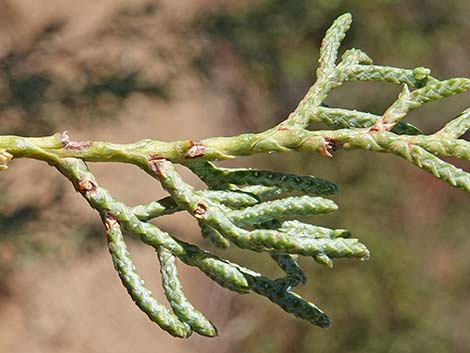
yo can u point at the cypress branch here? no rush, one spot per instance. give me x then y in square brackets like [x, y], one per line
[248, 207]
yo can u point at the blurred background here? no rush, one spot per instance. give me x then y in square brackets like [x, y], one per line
[175, 69]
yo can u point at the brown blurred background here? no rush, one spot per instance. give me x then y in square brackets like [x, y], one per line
[127, 70]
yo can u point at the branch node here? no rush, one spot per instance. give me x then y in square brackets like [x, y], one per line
[69, 145]
[196, 149]
[328, 147]
[85, 185]
[5, 157]
[109, 222]
[157, 164]
[200, 210]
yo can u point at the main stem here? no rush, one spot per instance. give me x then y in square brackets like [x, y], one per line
[278, 139]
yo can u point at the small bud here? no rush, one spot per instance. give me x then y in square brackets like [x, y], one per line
[5, 157]
[420, 73]
[196, 149]
[157, 164]
[85, 185]
[329, 147]
[70, 145]
[200, 210]
[110, 222]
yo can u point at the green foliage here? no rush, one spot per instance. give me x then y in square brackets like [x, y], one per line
[135, 285]
[179, 303]
[248, 207]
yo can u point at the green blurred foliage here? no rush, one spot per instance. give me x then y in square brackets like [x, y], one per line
[409, 296]
[277, 41]
[45, 82]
